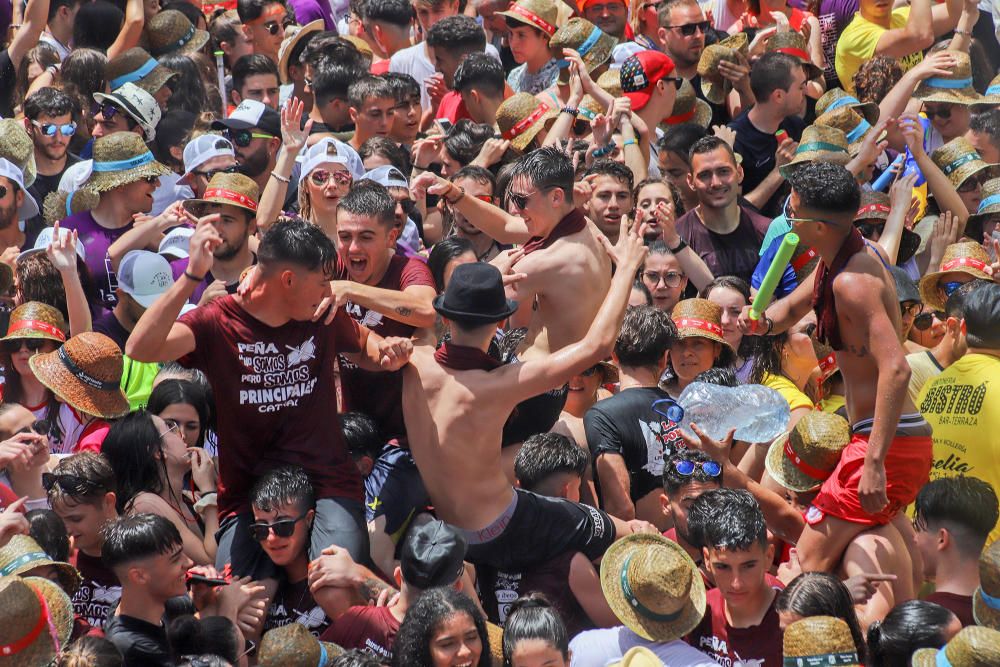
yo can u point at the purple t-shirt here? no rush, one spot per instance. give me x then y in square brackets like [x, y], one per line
[178, 266]
[97, 240]
[310, 10]
[833, 17]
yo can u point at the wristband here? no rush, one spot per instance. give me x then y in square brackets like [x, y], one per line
[604, 150]
[191, 276]
[281, 179]
[770, 325]
[572, 111]
[680, 246]
[206, 501]
[629, 142]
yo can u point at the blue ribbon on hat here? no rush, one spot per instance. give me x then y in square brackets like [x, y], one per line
[129, 77]
[983, 205]
[842, 102]
[322, 655]
[941, 660]
[588, 43]
[122, 165]
[858, 131]
[993, 90]
[990, 601]
[937, 82]
[69, 201]
[32, 557]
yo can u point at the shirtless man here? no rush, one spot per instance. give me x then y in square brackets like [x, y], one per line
[858, 315]
[456, 400]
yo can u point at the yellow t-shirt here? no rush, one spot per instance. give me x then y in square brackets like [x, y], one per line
[832, 403]
[923, 368]
[796, 399]
[858, 42]
[962, 404]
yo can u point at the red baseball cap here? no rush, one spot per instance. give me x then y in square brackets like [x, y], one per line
[639, 74]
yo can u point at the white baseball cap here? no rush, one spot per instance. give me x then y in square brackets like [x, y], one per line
[331, 151]
[138, 104]
[145, 276]
[29, 207]
[251, 114]
[45, 238]
[76, 175]
[203, 148]
[176, 243]
[622, 52]
[388, 176]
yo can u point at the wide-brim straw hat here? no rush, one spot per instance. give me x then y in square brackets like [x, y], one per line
[16, 146]
[85, 372]
[820, 640]
[23, 554]
[714, 86]
[836, 98]
[25, 625]
[59, 603]
[986, 598]
[699, 318]
[991, 99]
[794, 44]
[819, 143]
[653, 586]
[989, 207]
[589, 109]
[36, 320]
[521, 117]
[294, 35]
[540, 14]
[638, 656]
[689, 108]
[122, 158]
[874, 205]
[954, 88]
[973, 646]
[967, 257]
[138, 67]
[170, 32]
[593, 44]
[854, 126]
[293, 646]
[229, 189]
[611, 83]
[803, 458]
[59, 205]
[959, 160]
[827, 360]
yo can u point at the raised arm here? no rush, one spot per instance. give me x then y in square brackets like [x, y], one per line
[413, 305]
[916, 35]
[938, 184]
[62, 254]
[692, 264]
[901, 200]
[503, 227]
[131, 30]
[560, 129]
[36, 16]
[766, 188]
[147, 232]
[781, 314]
[946, 15]
[900, 95]
[293, 138]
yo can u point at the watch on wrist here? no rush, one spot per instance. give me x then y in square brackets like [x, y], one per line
[680, 246]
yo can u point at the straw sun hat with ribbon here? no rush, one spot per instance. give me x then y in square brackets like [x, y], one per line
[954, 88]
[170, 32]
[16, 146]
[59, 205]
[967, 257]
[122, 158]
[611, 83]
[28, 634]
[959, 160]
[991, 99]
[540, 14]
[293, 646]
[973, 646]
[794, 44]
[803, 458]
[521, 117]
[700, 318]
[86, 373]
[875, 207]
[986, 598]
[837, 98]
[819, 143]
[294, 35]
[593, 44]
[230, 189]
[23, 554]
[653, 586]
[989, 209]
[714, 86]
[817, 641]
[138, 67]
[36, 320]
[689, 108]
[854, 126]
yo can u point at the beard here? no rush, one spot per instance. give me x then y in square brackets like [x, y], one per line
[8, 215]
[255, 164]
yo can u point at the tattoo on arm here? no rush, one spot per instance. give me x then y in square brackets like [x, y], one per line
[858, 351]
[371, 587]
[404, 311]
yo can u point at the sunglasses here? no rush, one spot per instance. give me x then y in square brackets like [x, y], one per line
[283, 528]
[911, 309]
[669, 278]
[923, 321]
[71, 484]
[944, 113]
[971, 184]
[687, 468]
[106, 109]
[33, 344]
[50, 129]
[678, 82]
[39, 427]
[791, 218]
[950, 288]
[272, 27]
[3, 191]
[321, 177]
[688, 29]
[212, 172]
[869, 229]
[520, 200]
[242, 138]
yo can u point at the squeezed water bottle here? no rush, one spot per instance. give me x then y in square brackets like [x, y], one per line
[758, 414]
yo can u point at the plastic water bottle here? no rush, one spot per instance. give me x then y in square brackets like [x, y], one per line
[758, 414]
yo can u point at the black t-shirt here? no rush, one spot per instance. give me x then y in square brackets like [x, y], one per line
[293, 603]
[758, 149]
[39, 190]
[8, 79]
[625, 424]
[720, 112]
[107, 324]
[142, 644]
[732, 254]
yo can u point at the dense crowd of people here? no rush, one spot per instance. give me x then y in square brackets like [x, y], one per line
[536, 333]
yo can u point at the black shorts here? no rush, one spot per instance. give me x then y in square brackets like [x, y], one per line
[539, 529]
[535, 415]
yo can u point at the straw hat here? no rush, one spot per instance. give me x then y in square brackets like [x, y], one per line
[875, 205]
[854, 126]
[36, 320]
[293, 646]
[714, 86]
[653, 586]
[521, 117]
[954, 88]
[60, 606]
[802, 459]
[593, 44]
[26, 630]
[966, 257]
[122, 158]
[16, 146]
[85, 372]
[959, 160]
[827, 360]
[294, 35]
[819, 143]
[59, 205]
[230, 189]
[804, 261]
[138, 67]
[989, 208]
[361, 45]
[986, 599]
[171, 32]
[794, 44]
[820, 640]
[611, 83]
[23, 554]
[689, 108]
[590, 108]
[540, 14]
[991, 99]
[973, 646]
[699, 318]
[836, 98]
[638, 656]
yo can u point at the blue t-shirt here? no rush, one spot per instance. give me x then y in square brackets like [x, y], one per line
[788, 280]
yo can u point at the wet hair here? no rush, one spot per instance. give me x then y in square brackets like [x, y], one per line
[397, 13]
[367, 88]
[443, 252]
[773, 71]
[614, 169]
[966, 506]
[356, 657]
[982, 317]
[709, 144]
[723, 376]
[545, 454]
[250, 10]
[215, 635]
[403, 85]
[327, 47]
[827, 188]
[876, 77]
[533, 617]
[766, 352]
[640, 286]
[458, 34]
[361, 435]
[94, 470]
[481, 71]
[465, 139]
[282, 486]
[678, 139]
[385, 147]
[907, 627]
[423, 620]
[299, 243]
[955, 304]
[673, 481]
[822, 594]
[546, 168]
[727, 519]
[476, 173]
[97, 25]
[173, 392]
[646, 335]
[371, 200]
[131, 447]
[137, 536]
[46, 528]
[90, 651]
[987, 122]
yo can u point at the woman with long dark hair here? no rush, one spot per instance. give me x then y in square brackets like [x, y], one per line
[185, 405]
[787, 363]
[444, 628]
[188, 87]
[910, 626]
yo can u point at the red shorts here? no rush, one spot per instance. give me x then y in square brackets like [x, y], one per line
[907, 469]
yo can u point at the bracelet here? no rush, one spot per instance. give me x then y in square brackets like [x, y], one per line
[191, 276]
[967, 33]
[461, 194]
[604, 150]
[280, 179]
[206, 501]
[629, 142]
[770, 324]
[680, 246]
[572, 111]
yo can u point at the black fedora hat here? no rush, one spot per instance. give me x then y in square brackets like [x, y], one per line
[475, 295]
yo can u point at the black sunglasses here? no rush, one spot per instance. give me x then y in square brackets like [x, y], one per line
[39, 427]
[869, 229]
[106, 109]
[944, 113]
[283, 528]
[923, 321]
[689, 29]
[3, 191]
[71, 484]
[33, 344]
[686, 468]
[242, 138]
[234, 169]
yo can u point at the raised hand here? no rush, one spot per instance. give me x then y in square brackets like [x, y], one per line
[12, 521]
[425, 151]
[203, 471]
[61, 250]
[203, 243]
[293, 134]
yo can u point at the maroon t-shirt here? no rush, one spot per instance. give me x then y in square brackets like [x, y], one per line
[99, 592]
[733, 254]
[275, 397]
[380, 395]
[960, 605]
[759, 645]
[372, 628]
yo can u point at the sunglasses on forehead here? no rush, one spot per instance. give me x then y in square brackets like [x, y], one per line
[687, 468]
[71, 484]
